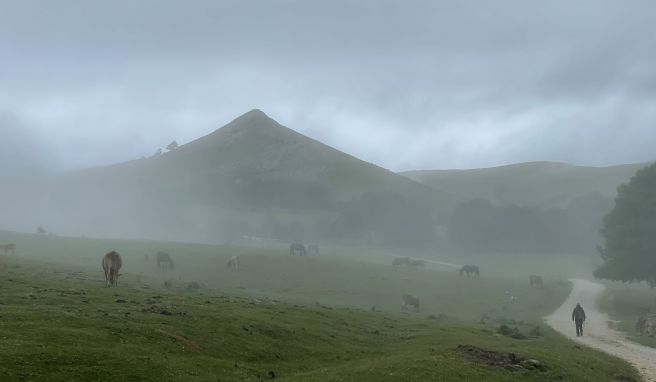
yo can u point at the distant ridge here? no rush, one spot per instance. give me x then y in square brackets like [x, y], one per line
[544, 184]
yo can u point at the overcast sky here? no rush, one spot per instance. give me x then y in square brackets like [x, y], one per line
[404, 84]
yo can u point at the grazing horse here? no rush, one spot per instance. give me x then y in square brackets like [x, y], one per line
[313, 248]
[469, 270]
[9, 248]
[419, 263]
[111, 264]
[233, 263]
[536, 280]
[647, 325]
[164, 260]
[408, 300]
[401, 261]
[297, 247]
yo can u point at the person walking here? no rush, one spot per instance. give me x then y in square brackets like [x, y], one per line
[578, 316]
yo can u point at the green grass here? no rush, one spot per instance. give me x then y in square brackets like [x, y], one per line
[305, 319]
[332, 278]
[626, 303]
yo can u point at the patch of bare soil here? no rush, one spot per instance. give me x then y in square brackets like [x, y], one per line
[508, 361]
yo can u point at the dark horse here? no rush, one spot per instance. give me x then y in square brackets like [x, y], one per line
[111, 264]
[297, 247]
[469, 270]
[164, 260]
[8, 248]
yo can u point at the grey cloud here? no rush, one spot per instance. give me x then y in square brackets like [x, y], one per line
[438, 83]
[21, 150]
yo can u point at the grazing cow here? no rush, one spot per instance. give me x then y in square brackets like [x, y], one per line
[419, 263]
[469, 270]
[297, 247]
[535, 280]
[233, 263]
[111, 264]
[409, 300]
[647, 325]
[401, 261]
[313, 248]
[9, 248]
[164, 260]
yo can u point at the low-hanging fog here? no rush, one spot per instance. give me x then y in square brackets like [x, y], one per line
[405, 86]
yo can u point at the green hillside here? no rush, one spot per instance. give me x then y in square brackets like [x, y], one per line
[543, 184]
[307, 319]
[265, 164]
[252, 177]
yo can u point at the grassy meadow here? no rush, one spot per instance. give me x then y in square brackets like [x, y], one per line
[327, 317]
[626, 303]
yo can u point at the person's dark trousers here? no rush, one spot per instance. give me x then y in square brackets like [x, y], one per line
[579, 327]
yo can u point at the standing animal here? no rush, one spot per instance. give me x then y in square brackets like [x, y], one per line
[297, 247]
[647, 324]
[408, 300]
[8, 248]
[313, 248]
[469, 270]
[164, 260]
[536, 280]
[233, 263]
[401, 261]
[419, 263]
[111, 264]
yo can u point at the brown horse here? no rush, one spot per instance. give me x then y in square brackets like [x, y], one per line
[111, 264]
[8, 248]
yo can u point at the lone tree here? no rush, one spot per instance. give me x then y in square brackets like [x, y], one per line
[629, 231]
[172, 146]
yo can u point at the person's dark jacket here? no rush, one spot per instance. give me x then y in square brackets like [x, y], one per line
[578, 313]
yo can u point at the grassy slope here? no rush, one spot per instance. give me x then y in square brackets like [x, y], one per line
[256, 147]
[626, 304]
[58, 322]
[335, 277]
[535, 183]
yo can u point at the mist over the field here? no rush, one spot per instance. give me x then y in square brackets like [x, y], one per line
[371, 190]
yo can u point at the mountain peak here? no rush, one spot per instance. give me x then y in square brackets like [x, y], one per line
[253, 128]
[253, 116]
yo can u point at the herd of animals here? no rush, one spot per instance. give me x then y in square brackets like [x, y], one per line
[112, 263]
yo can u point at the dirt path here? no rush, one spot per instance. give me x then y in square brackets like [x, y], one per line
[597, 334]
